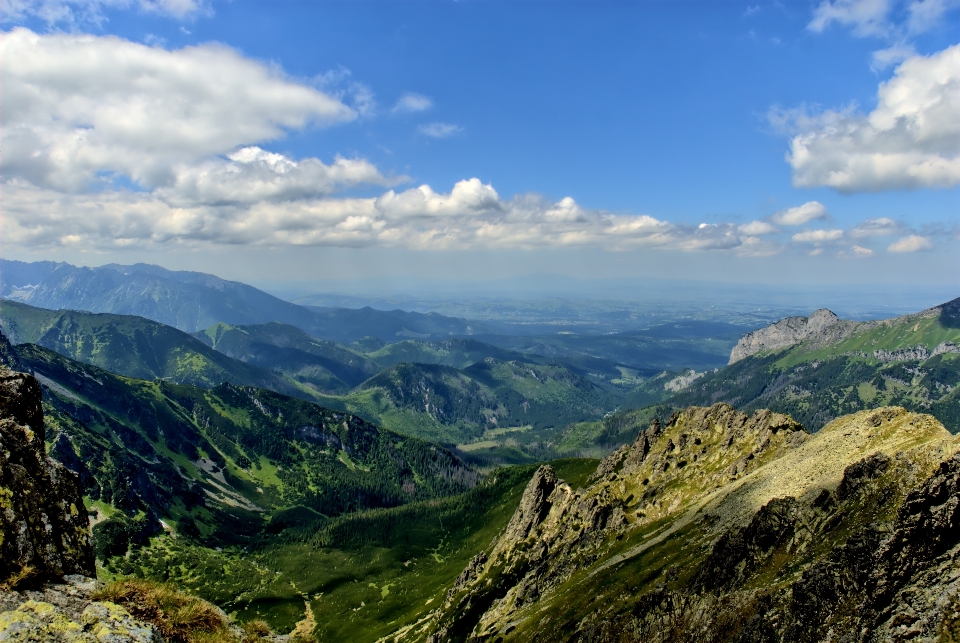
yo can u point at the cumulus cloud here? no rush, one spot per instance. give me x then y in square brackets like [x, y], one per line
[78, 108]
[757, 247]
[411, 102]
[471, 214]
[809, 211]
[911, 243]
[439, 130]
[757, 228]
[251, 174]
[880, 227]
[817, 236]
[911, 139]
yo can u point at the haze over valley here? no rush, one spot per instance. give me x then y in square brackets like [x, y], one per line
[470, 322]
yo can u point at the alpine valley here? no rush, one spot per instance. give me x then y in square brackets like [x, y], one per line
[334, 474]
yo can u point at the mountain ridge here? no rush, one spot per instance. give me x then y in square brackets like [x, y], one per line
[822, 328]
[719, 526]
[193, 301]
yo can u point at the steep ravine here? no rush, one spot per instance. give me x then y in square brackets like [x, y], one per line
[720, 526]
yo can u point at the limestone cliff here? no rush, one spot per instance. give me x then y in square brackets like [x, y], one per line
[720, 526]
[43, 523]
[823, 328]
[821, 325]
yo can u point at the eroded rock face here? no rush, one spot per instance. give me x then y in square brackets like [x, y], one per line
[821, 323]
[724, 527]
[43, 523]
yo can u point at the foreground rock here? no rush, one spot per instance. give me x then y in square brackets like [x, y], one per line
[723, 527]
[43, 523]
[64, 612]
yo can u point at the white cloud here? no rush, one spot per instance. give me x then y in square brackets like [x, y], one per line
[892, 55]
[879, 227]
[912, 243]
[75, 12]
[856, 252]
[926, 14]
[251, 174]
[809, 211]
[817, 236]
[339, 84]
[866, 17]
[439, 130]
[411, 102]
[471, 215]
[911, 139]
[757, 227]
[78, 108]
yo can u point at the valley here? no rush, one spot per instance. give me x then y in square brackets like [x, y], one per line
[365, 490]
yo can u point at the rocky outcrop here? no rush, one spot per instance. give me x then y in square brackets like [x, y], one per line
[822, 325]
[915, 353]
[64, 613]
[724, 527]
[823, 328]
[43, 523]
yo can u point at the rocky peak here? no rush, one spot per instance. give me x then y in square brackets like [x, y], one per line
[534, 505]
[820, 319]
[43, 523]
[821, 325]
[724, 526]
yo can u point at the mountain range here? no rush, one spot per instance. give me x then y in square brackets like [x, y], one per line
[194, 301]
[348, 487]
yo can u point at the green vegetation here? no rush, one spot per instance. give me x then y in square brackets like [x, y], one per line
[132, 346]
[219, 464]
[458, 353]
[362, 574]
[469, 391]
[323, 365]
[815, 384]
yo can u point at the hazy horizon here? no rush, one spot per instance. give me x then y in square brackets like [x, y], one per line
[509, 149]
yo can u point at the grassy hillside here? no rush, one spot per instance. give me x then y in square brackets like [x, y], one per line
[219, 464]
[323, 365]
[458, 406]
[458, 353]
[724, 527]
[363, 575]
[132, 346]
[879, 366]
[502, 411]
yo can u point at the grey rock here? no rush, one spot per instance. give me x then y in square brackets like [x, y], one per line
[43, 523]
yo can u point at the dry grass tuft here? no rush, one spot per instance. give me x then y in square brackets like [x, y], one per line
[178, 617]
[23, 579]
[254, 631]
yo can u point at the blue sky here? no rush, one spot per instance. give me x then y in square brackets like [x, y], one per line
[798, 143]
